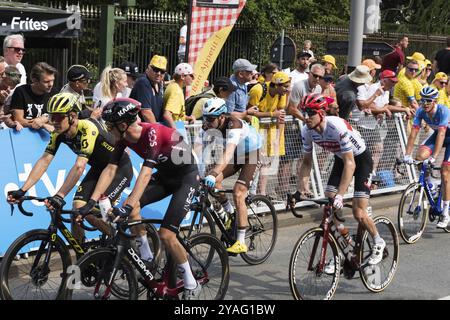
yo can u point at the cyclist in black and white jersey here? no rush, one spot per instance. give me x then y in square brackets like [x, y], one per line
[352, 158]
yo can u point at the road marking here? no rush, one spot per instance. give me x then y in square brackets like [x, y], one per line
[445, 298]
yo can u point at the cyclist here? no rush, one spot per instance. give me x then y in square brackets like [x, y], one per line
[164, 149]
[437, 116]
[351, 158]
[242, 144]
[92, 144]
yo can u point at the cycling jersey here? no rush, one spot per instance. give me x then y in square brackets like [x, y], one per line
[338, 137]
[91, 141]
[161, 147]
[237, 132]
[439, 120]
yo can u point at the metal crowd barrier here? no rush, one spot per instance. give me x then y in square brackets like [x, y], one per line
[386, 142]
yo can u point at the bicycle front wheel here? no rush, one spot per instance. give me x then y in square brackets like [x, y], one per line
[261, 234]
[412, 213]
[377, 277]
[95, 271]
[30, 277]
[309, 279]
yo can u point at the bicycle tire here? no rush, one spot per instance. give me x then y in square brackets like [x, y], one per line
[47, 285]
[412, 218]
[96, 266]
[308, 286]
[377, 277]
[261, 235]
[208, 226]
[210, 252]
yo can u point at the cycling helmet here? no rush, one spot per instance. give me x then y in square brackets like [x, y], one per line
[63, 103]
[121, 110]
[429, 93]
[313, 101]
[214, 107]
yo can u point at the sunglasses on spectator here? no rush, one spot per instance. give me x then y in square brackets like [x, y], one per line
[309, 112]
[156, 70]
[317, 76]
[210, 118]
[85, 80]
[58, 117]
[17, 49]
[443, 82]
[413, 69]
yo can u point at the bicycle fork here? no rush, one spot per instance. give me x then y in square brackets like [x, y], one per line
[118, 257]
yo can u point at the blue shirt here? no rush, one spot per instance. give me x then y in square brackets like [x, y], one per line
[238, 100]
[440, 119]
[148, 96]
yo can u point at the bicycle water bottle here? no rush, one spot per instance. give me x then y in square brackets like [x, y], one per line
[105, 206]
[345, 233]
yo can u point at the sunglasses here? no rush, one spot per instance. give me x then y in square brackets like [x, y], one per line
[17, 50]
[317, 76]
[426, 101]
[413, 69]
[57, 117]
[309, 112]
[191, 75]
[210, 118]
[443, 82]
[157, 70]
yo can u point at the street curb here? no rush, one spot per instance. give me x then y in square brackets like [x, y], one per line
[314, 213]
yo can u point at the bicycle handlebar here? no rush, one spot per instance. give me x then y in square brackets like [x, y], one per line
[430, 167]
[320, 201]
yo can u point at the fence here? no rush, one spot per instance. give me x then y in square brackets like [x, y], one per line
[141, 33]
[387, 142]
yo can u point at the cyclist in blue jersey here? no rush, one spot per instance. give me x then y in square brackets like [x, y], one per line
[242, 143]
[437, 116]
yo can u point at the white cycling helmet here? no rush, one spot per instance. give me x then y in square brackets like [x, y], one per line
[429, 93]
[214, 107]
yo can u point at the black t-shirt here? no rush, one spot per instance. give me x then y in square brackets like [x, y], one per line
[33, 106]
[443, 60]
[346, 93]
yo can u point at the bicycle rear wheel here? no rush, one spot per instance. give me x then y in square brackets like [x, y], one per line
[412, 213]
[261, 235]
[306, 281]
[209, 263]
[31, 278]
[95, 270]
[377, 277]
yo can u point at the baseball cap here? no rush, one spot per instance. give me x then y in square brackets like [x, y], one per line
[302, 54]
[183, 69]
[159, 62]
[78, 72]
[330, 59]
[280, 77]
[130, 68]
[360, 74]
[224, 83]
[243, 65]
[388, 74]
[416, 56]
[441, 76]
[371, 64]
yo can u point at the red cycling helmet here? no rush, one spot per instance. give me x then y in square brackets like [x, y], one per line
[314, 101]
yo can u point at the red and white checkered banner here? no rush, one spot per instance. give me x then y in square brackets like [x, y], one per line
[210, 24]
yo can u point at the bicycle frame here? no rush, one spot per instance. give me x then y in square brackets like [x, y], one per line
[435, 205]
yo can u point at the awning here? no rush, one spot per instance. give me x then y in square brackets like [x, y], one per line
[39, 21]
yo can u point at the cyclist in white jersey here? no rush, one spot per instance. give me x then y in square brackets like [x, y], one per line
[351, 159]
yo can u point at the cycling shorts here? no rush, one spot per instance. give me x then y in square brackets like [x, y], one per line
[364, 165]
[246, 165]
[430, 143]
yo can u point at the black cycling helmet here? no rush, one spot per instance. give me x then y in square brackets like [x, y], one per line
[121, 110]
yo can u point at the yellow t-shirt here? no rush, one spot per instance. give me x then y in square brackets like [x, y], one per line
[406, 88]
[442, 98]
[173, 101]
[256, 92]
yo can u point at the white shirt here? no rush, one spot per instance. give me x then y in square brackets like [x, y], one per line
[365, 92]
[183, 33]
[297, 76]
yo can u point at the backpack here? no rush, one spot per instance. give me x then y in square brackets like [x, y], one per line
[192, 100]
[264, 87]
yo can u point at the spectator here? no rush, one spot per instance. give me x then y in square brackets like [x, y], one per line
[29, 101]
[113, 84]
[307, 44]
[441, 61]
[329, 91]
[222, 88]
[329, 63]
[425, 73]
[13, 50]
[78, 78]
[394, 60]
[148, 90]
[132, 71]
[419, 58]
[440, 82]
[173, 98]
[300, 73]
[182, 42]
[346, 89]
[259, 90]
[9, 79]
[238, 100]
